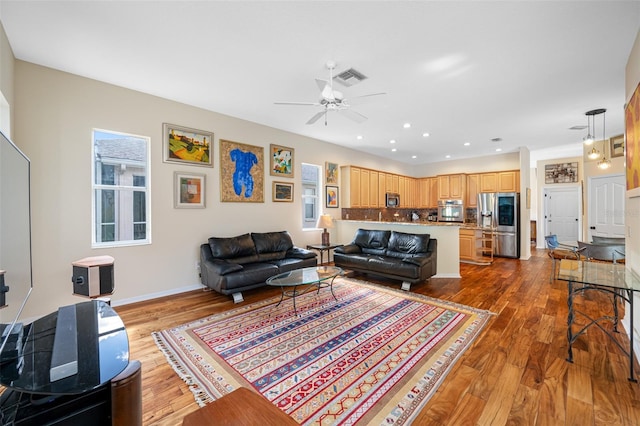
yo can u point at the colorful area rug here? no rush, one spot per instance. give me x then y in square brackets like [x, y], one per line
[375, 356]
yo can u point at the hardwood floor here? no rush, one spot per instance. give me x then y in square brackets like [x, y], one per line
[515, 373]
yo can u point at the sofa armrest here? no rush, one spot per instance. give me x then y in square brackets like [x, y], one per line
[300, 253]
[348, 249]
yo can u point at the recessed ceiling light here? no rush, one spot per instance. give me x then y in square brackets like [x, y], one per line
[359, 137]
[447, 156]
[467, 143]
[406, 125]
[392, 141]
[425, 135]
[393, 149]
[498, 149]
[414, 156]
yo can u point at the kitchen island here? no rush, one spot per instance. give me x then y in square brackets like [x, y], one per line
[447, 234]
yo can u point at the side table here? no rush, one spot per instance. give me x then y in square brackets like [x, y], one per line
[322, 248]
[240, 407]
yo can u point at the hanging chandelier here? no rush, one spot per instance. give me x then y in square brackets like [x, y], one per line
[604, 163]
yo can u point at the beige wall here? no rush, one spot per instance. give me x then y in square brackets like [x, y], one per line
[54, 115]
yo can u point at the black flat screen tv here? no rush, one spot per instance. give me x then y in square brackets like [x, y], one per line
[16, 278]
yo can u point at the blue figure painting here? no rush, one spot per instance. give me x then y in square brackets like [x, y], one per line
[242, 177]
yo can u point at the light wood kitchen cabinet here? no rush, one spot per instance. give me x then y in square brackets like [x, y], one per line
[473, 182]
[452, 187]
[489, 182]
[382, 190]
[374, 193]
[507, 181]
[365, 191]
[424, 186]
[433, 192]
[467, 244]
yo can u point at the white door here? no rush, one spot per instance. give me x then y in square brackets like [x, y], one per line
[606, 206]
[562, 213]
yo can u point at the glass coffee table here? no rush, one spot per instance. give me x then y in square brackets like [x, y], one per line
[301, 281]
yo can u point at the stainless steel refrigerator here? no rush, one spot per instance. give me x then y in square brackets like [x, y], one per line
[501, 212]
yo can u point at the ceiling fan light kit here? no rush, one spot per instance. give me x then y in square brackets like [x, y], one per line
[334, 100]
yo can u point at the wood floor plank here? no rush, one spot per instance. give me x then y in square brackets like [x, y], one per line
[515, 373]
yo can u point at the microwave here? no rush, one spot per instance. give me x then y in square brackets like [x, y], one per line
[392, 199]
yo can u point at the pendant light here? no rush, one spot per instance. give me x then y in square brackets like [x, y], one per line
[588, 140]
[604, 163]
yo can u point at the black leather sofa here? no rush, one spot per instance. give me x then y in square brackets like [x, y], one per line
[411, 258]
[235, 264]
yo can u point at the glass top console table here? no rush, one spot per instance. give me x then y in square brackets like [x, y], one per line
[609, 278]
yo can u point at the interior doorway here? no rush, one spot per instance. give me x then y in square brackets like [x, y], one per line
[562, 213]
[606, 206]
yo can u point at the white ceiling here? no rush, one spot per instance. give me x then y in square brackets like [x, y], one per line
[472, 71]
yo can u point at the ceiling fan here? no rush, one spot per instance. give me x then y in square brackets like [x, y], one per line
[332, 100]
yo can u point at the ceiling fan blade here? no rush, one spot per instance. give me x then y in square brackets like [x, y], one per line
[316, 117]
[353, 115]
[369, 95]
[297, 103]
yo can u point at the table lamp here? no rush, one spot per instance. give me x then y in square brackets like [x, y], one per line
[325, 221]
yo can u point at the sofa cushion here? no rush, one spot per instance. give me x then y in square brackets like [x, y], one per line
[252, 273]
[392, 266]
[402, 244]
[240, 249]
[372, 241]
[272, 245]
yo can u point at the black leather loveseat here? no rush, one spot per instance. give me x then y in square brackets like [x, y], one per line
[411, 258]
[232, 265]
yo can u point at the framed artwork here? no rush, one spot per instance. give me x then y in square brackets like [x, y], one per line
[283, 191]
[331, 172]
[617, 146]
[241, 172]
[561, 173]
[332, 196]
[281, 161]
[188, 192]
[632, 136]
[187, 146]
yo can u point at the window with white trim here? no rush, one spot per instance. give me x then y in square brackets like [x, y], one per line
[311, 192]
[121, 195]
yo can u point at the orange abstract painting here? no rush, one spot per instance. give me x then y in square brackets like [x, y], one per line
[632, 136]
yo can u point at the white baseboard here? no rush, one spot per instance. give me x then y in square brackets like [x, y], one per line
[150, 296]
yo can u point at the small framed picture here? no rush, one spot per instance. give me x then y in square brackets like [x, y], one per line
[332, 197]
[617, 146]
[281, 161]
[283, 191]
[189, 190]
[187, 146]
[331, 172]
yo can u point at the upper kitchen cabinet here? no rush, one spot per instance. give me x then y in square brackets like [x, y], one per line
[452, 187]
[507, 181]
[473, 182]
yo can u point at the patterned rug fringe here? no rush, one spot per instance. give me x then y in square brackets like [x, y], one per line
[201, 397]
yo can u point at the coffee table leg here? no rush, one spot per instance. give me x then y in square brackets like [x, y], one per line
[331, 287]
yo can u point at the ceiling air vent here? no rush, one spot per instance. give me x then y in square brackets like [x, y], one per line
[349, 77]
